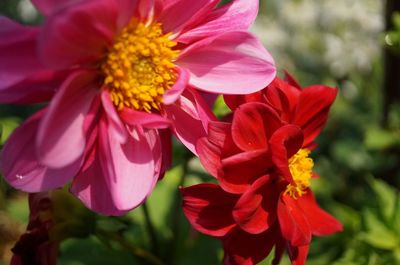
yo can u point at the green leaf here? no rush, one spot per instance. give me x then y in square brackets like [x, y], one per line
[386, 196]
[378, 139]
[378, 235]
[7, 127]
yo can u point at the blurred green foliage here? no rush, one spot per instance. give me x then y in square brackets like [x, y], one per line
[357, 158]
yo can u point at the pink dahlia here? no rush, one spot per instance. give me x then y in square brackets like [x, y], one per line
[119, 74]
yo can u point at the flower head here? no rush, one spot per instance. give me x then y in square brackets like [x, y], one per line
[262, 164]
[119, 76]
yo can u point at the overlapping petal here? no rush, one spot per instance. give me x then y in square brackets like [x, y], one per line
[20, 166]
[208, 208]
[230, 63]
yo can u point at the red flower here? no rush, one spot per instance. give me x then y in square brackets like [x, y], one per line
[261, 162]
[35, 247]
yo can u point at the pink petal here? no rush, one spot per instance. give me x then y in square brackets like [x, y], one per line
[230, 63]
[180, 14]
[130, 169]
[39, 87]
[166, 149]
[312, 110]
[115, 122]
[144, 119]
[208, 208]
[17, 52]
[321, 222]
[190, 116]
[293, 223]
[20, 166]
[235, 16]
[80, 34]
[255, 211]
[253, 124]
[47, 7]
[172, 94]
[61, 137]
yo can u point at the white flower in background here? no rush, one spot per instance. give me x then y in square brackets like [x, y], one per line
[339, 35]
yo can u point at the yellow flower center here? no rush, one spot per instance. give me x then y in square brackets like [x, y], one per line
[139, 67]
[300, 166]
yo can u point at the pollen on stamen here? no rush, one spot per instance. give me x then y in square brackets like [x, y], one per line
[300, 166]
[139, 67]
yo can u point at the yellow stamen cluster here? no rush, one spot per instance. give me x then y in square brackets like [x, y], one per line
[300, 166]
[139, 67]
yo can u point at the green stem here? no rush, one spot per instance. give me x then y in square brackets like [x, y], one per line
[177, 210]
[151, 230]
[137, 252]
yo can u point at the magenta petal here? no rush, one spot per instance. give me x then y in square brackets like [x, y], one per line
[235, 16]
[190, 116]
[130, 170]
[61, 137]
[172, 94]
[180, 14]
[39, 87]
[230, 63]
[115, 122]
[17, 52]
[47, 7]
[79, 34]
[255, 211]
[209, 209]
[253, 124]
[144, 119]
[20, 166]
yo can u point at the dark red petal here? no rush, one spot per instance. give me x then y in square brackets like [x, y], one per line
[219, 133]
[298, 255]
[291, 80]
[209, 155]
[242, 248]
[255, 211]
[312, 110]
[321, 223]
[234, 101]
[253, 124]
[293, 222]
[209, 208]
[238, 172]
[284, 143]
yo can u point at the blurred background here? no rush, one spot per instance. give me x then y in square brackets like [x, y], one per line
[352, 45]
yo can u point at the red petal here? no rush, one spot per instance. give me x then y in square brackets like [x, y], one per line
[298, 255]
[293, 222]
[238, 172]
[255, 211]
[253, 124]
[321, 223]
[285, 142]
[242, 248]
[209, 208]
[312, 110]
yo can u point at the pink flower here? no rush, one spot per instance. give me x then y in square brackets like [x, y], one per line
[119, 74]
